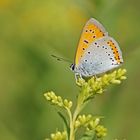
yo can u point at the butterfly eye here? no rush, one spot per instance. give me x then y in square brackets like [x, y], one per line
[72, 67]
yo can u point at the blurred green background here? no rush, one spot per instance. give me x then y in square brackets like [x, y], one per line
[30, 31]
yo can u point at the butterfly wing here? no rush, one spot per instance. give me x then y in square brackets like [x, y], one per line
[92, 31]
[102, 55]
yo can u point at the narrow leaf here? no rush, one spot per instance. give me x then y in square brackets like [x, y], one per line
[65, 122]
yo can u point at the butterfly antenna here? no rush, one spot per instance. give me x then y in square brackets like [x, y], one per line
[61, 59]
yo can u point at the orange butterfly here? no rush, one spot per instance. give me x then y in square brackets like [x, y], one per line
[97, 52]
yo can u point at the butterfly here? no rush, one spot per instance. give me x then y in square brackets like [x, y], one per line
[97, 52]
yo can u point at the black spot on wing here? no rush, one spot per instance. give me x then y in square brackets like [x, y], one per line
[86, 41]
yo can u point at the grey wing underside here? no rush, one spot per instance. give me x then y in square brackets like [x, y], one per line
[98, 58]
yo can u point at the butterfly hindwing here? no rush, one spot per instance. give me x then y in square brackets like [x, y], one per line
[91, 32]
[102, 55]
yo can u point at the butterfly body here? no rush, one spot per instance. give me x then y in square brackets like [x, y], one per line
[96, 52]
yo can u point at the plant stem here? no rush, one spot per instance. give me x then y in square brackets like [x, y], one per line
[72, 122]
[79, 107]
[74, 117]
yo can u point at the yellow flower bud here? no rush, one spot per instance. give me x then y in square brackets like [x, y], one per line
[70, 104]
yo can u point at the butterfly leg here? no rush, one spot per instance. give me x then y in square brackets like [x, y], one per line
[77, 76]
[95, 76]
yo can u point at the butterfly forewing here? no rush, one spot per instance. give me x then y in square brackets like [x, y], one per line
[91, 32]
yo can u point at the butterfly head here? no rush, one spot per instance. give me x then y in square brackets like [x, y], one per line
[72, 67]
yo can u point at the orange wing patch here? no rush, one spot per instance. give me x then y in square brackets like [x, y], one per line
[115, 51]
[90, 33]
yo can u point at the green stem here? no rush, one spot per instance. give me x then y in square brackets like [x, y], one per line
[74, 117]
[72, 122]
[79, 107]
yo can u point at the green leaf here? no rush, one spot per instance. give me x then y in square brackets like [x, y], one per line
[89, 98]
[65, 122]
[89, 135]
